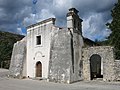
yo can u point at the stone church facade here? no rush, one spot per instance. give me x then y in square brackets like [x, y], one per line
[61, 54]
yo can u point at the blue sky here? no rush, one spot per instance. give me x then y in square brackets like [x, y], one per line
[15, 15]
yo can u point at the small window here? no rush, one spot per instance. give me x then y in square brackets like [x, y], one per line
[38, 39]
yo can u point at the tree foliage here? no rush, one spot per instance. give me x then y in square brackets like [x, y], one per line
[114, 38]
[7, 41]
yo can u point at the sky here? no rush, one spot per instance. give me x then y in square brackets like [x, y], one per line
[16, 15]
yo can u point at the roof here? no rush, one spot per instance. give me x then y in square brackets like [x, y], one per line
[41, 22]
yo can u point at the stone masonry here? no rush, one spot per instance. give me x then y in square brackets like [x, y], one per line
[117, 70]
[18, 59]
[62, 54]
[61, 57]
[107, 61]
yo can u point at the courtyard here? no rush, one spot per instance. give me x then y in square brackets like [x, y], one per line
[29, 84]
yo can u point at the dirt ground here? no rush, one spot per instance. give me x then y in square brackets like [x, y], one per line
[28, 84]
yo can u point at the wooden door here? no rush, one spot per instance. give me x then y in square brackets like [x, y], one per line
[38, 69]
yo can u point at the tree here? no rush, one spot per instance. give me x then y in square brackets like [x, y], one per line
[114, 38]
[7, 41]
[5, 52]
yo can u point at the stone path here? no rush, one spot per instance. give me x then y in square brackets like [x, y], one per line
[28, 84]
[3, 73]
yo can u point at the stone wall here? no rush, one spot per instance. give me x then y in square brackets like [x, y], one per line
[60, 57]
[77, 41]
[65, 56]
[117, 70]
[39, 52]
[107, 62]
[17, 65]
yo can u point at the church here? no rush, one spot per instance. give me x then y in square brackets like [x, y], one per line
[62, 55]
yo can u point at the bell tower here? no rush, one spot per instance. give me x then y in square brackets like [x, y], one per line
[73, 21]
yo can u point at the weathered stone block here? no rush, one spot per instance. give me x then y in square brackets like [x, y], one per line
[107, 62]
[60, 57]
[117, 70]
[18, 59]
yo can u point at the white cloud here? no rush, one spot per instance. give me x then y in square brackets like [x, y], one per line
[62, 3]
[33, 18]
[61, 7]
[95, 14]
[19, 30]
[94, 27]
[2, 15]
[44, 14]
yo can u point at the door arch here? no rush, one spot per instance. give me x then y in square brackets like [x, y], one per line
[38, 69]
[95, 66]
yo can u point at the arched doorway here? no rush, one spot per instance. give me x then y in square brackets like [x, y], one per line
[95, 66]
[39, 69]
